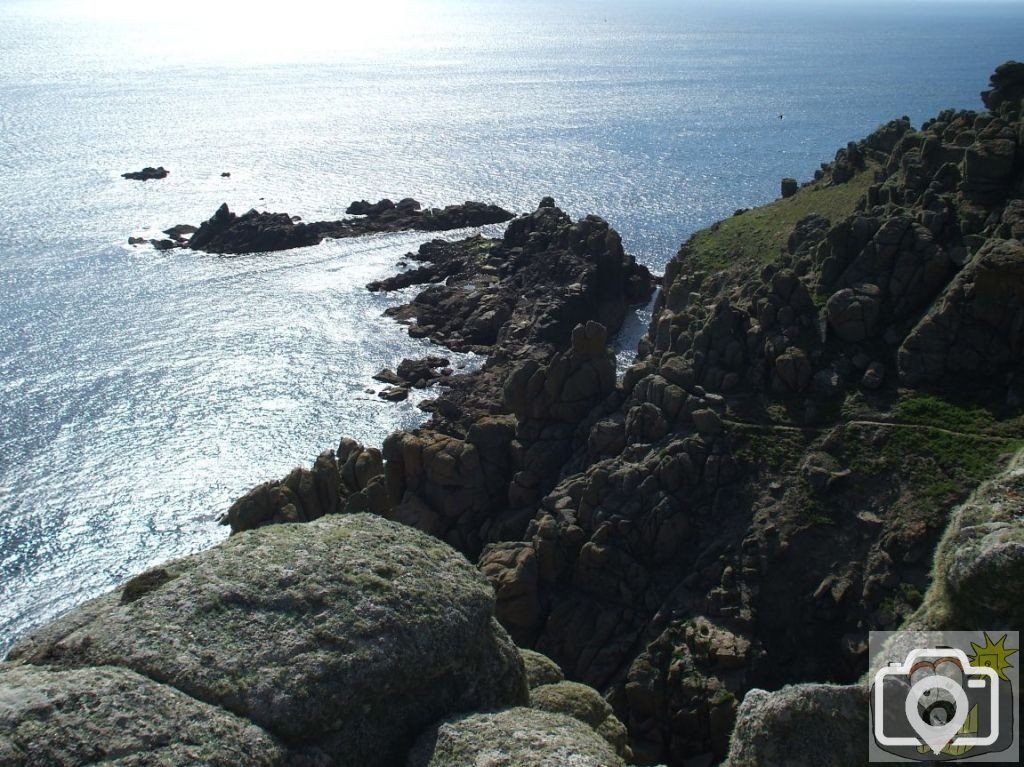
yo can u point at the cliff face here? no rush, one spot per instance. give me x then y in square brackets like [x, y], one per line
[824, 380]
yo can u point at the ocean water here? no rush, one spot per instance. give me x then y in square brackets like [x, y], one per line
[141, 392]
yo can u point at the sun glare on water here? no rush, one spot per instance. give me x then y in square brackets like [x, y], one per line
[265, 32]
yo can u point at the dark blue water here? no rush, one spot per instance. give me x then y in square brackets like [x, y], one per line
[140, 393]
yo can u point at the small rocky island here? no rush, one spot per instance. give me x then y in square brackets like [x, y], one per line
[147, 174]
[822, 434]
[260, 232]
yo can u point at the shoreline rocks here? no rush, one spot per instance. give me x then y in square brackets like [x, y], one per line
[255, 232]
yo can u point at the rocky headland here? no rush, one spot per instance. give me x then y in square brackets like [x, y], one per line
[226, 232]
[822, 435]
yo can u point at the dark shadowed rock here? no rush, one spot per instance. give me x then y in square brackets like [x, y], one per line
[147, 174]
[977, 328]
[254, 231]
[789, 187]
[1006, 87]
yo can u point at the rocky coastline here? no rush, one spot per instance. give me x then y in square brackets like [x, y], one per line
[255, 231]
[822, 435]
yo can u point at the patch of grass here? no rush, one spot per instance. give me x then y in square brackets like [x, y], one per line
[778, 449]
[760, 235]
[943, 412]
[947, 464]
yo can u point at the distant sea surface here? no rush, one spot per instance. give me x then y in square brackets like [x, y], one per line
[141, 392]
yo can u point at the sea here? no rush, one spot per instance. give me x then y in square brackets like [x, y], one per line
[142, 391]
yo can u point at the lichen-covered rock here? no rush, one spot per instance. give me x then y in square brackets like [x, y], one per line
[586, 704]
[518, 737]
[113, 716]
[349, 635]
[980, 562]
[810, 725]
[540, 669]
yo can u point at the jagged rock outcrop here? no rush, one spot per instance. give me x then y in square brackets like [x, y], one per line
[258, 232]
[977, 328]
[343, 639]
[757, 485]
[500, 435]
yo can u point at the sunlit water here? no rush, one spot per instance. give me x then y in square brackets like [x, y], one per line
[141, 392]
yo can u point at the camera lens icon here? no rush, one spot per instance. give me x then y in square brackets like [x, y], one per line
[937, 689]
[936, 705]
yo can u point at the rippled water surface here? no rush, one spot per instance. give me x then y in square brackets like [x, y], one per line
[141, 392]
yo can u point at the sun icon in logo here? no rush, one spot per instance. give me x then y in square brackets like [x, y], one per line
[993, 655]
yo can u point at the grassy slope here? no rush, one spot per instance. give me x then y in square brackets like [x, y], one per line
[760, 234]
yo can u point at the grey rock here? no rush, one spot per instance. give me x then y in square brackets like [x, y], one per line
[350, 634]
[707, 421]
[518, 737]
[853, 312]
[117, 717]
[540, 669]
[586, 704]
[808, 725]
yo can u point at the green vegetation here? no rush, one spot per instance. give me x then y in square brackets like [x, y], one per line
[953, 460]
[944, 412]
[776, 448]
[761, 234]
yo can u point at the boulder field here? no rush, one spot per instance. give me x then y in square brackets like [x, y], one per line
[821, 435]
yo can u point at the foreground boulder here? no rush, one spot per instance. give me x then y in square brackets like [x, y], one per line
[811, 725]
[519, 737]
[117, 717]
[344, 638]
